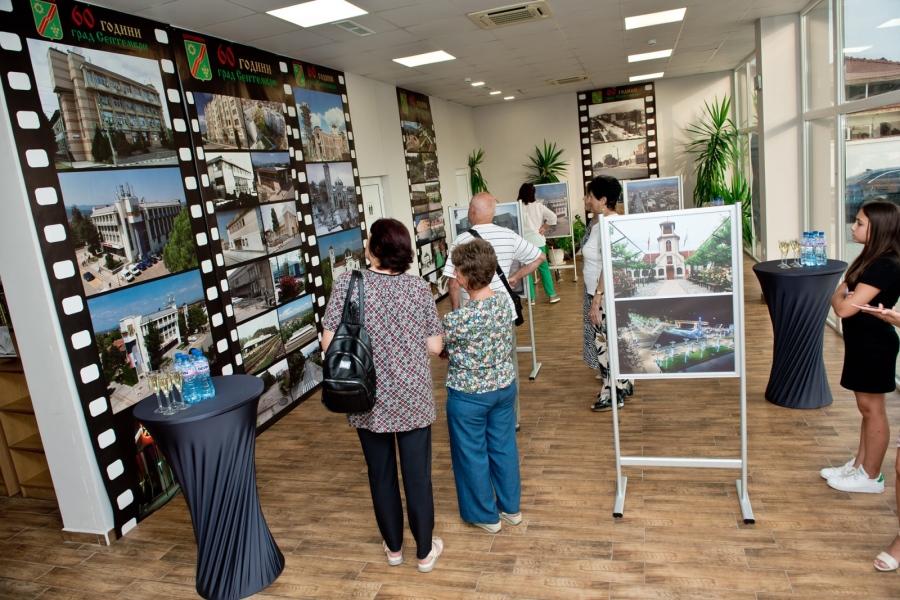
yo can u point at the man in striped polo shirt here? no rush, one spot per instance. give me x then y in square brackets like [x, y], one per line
[509, 246]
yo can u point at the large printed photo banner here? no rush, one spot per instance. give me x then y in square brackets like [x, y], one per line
[105, 153]
[245, 128]
[618, 132]
[675, 312]
[420, 148]
[334, 198]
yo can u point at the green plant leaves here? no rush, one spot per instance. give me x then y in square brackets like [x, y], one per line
[476, 180]
[546, 166]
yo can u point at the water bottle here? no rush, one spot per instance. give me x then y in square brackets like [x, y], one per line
[821, 257]
[809, 250]
[205, 387]
[188, 379]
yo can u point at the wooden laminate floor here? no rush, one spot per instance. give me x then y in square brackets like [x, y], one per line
[682, 535]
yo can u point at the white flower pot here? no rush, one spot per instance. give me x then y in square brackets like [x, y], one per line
[557, 257]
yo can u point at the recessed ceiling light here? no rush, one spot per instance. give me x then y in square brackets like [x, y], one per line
[649, 55]
[478, 84]
[891, 23]
[644, 77]
[666, 16]
[856, 49]
[424, 59]
[508, 97]
[317, 12]
[494, 93]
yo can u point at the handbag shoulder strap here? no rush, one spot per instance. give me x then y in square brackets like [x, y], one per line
[356, 276]
[500, 272]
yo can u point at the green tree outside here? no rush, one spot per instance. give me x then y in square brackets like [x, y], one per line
[154, 342]
[100, 146]
[180, 253]
[196, 318]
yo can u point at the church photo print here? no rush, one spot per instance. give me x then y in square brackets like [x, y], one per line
[323, 128]
[333, 197]
[338, 254]
[672, 254]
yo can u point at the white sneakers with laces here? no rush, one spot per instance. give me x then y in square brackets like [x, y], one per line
[846, 469]
[857, 480]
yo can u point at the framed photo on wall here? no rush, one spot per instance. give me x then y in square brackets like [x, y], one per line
[652, 195]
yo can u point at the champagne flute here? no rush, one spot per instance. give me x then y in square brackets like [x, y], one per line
[795, 248]
[175, 378]
[783, 247]
[165, 386]
[153, 382]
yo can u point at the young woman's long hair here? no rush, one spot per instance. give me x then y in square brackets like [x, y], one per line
[884, 238]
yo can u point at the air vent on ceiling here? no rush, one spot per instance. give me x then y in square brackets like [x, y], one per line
[354, 28]
[511, 15]
[567, 80]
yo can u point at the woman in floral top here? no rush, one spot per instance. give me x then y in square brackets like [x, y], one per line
[481, 395]
[402, 323]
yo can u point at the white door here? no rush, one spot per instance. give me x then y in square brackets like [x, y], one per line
[463, 192]
[373, 199]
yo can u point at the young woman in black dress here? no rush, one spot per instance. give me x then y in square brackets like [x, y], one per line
[870, 344]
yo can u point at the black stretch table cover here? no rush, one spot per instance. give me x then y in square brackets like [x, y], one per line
[798, 301]
[211, 448]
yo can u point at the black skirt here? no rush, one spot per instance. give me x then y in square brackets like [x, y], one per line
[870, 355]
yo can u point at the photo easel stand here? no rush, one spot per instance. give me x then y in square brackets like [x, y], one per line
[536, 366]
[662, 461]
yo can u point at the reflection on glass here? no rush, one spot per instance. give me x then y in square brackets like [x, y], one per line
[819, 67]
[871, 52]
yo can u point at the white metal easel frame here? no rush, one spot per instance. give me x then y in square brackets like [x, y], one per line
[508, 207]
[740, 365]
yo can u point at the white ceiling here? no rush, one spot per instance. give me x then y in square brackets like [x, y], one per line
[584, 37]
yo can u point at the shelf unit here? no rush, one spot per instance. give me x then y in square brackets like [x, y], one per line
[23, 466]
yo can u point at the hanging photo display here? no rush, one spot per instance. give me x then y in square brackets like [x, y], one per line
[417, 131]
[618, 132]
[245, 127]
[555, 196]
[675, 309]
[652, 195]
[334, 197]
[106, 156]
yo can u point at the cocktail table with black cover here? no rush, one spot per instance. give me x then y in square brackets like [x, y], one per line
[211, 447]
[798, 301]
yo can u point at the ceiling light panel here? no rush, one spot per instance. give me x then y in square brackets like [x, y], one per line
[424, 59]
[477, 84]
[318, 12]
[645, 77]
[649, 56]
[496, 93]
[658, 18]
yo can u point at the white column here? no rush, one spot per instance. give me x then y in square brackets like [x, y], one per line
[780, 134]
[76, 478]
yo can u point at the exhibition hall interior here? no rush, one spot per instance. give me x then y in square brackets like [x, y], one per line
[188, 184]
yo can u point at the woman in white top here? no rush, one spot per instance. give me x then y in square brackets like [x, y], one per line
[535, 219]
[603, 194]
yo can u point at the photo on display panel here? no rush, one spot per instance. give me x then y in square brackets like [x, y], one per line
[652, 195]
[242, 233]
[231, 179]
[410, 136]
[626, 159]
[252, 289]
[264, 123]
[298, 325]
[426, 138]
[419, 198]
[422, 224]
[415, 169]
[555, 196]
[433, 193]
[260, 341]
[616, 121]
[340, 253]
[688, 335]
[672, 255]
[105, 109]
[128, 225]
[140, 328]
[281, 227]
[276, 394]
[221, 121]
[288, 276]
[506, 215]
[335, 206]
[426, 259]
[306, 369]
[272, 176]
[439, 252]
[437, 224]
[430, 166]
[323, 127]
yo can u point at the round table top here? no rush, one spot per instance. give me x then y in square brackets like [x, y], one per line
[232, 391]
[770, 267]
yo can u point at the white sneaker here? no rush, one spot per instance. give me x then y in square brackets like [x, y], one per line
[489, 527]
[841, 471]
[858, 481]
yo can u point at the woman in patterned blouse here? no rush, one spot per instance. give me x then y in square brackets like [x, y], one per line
[481, 395]
[402, 322]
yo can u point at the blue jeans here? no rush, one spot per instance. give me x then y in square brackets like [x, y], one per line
[484, 453]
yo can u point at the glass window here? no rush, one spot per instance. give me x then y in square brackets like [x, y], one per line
[821, 175]
[871, 48]
[752, 92]
[819, 53]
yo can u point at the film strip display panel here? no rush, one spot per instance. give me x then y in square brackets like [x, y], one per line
[327, 154]
[103, 142]
[244, 126]
[420, 148]
[618, 133]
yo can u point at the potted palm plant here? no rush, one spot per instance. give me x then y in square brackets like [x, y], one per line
[546, 167]
[476, 179]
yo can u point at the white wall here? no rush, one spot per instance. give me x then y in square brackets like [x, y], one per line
[454, 130]
[508, 132]
[780, 123]
[82, 498]
[679, 103]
